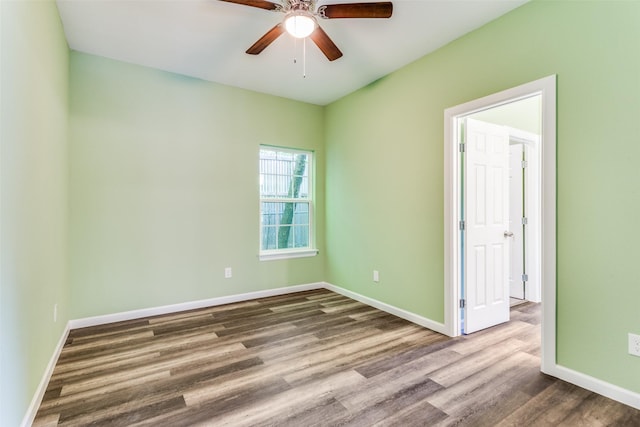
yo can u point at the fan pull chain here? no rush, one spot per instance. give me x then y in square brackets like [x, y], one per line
[295, 50]
[304, 58]
[304, 55]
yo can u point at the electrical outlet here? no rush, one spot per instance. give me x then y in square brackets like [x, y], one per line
[228, 273]
[55, 312]
[634, 344]
[376, 276]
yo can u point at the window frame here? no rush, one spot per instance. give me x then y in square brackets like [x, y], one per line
[286, 253]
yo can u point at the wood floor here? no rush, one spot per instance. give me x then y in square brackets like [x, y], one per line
[312, 359]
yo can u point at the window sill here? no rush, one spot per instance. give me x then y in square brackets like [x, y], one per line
[302, 253]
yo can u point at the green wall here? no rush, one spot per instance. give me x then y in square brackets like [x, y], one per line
[164, 187]
[33, 197]
[384, 151]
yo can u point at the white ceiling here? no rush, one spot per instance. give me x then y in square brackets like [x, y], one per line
[207, 39]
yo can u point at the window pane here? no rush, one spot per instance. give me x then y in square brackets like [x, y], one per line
[277, 218]
[300, 214]
[300, 237]
[269, 238]
[283, 174]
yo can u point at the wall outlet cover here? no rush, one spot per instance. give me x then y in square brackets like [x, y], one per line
[634, 344]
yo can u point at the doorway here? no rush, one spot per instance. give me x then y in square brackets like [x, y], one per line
[454, 196]
[521, 120]
[499, 209]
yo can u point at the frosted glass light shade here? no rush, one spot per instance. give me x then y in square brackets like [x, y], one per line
[299, 26]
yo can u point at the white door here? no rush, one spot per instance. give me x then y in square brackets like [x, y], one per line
[516, 213]
[486, 237]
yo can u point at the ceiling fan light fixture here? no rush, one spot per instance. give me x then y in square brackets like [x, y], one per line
[300, 24]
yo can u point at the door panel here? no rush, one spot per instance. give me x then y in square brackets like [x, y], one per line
[487, 250]
[516, 177]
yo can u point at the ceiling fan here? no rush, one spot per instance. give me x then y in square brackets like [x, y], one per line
[300, 21]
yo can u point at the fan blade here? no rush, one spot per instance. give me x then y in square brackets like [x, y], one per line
[326, 45]
[356, 10]
[262, 4]
[266, 40]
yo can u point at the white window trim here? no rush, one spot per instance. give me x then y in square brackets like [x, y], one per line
[290, 253]
[287, 254]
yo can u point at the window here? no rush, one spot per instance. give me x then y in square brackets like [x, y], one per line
[286, 203]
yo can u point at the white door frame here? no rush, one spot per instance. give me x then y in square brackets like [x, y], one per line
[531, 143]
[546, 87]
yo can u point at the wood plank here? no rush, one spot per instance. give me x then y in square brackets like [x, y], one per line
[289, 402]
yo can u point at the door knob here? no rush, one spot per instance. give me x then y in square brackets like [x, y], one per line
[508, 234]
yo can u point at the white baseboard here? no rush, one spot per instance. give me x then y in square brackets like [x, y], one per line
[595, 385]
[404, 314]
[210, 302]
[44, 382]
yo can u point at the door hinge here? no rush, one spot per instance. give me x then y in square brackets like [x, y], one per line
[525, 221]
[462, 147]
[462, 303]
[524, 164]
[461, 225]
[525, 277]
